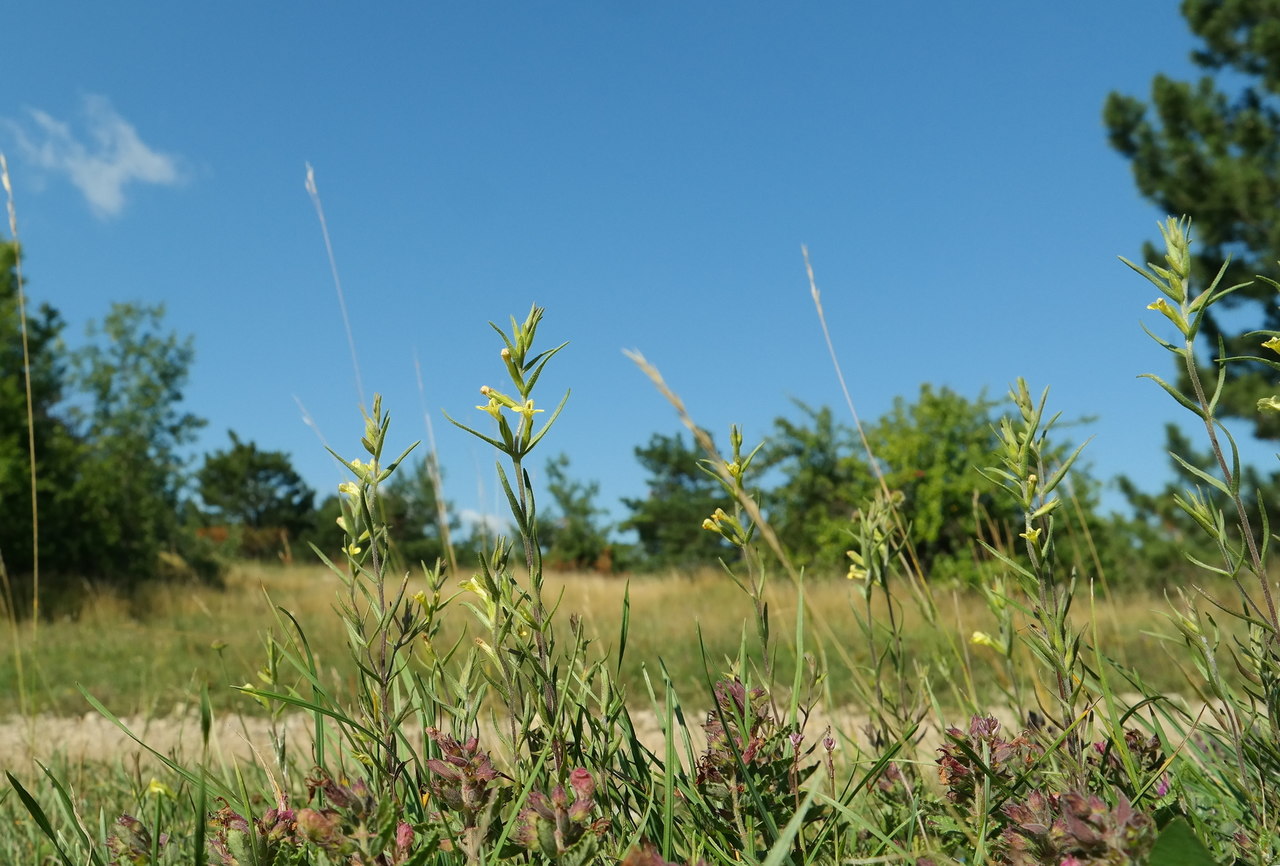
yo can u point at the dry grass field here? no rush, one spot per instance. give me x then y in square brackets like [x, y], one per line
[150, 657]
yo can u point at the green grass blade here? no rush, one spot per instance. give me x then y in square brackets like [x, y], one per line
[781, 850]
[41, 819]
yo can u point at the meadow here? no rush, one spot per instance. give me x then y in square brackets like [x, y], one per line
[754, 715]
[148, 656]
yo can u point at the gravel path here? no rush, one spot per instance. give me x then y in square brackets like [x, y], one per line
[92, 737]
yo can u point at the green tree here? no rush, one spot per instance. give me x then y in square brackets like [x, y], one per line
[824, 483]
[409, 507]
[1162, 535]
[681, 495]
[55, 447]
[929, 451]
[130, 374]
[1210, 149]
[257, 490]
[571, 534]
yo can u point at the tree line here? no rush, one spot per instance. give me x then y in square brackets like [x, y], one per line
[120, 506]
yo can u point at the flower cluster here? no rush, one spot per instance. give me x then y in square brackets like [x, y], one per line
[352, 823]
[461, 779]
[557, 823]
[1148, 758]
[743, 717]
[982, 753]
[236, 841]
[1074, 829]
[130, 842]
[743, 736]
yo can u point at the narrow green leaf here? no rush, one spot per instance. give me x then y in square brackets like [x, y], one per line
[1186, 402]
[1212, 481]
[494, 442]
[38, 815]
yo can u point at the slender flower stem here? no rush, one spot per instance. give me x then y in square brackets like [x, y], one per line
[1246, 526]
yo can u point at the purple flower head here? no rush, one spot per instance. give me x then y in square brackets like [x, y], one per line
[556, 823]
[130, 842]
[462, 775]
[1005, 760]
[1075, 828]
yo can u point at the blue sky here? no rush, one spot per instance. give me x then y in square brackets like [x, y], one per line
[646, 172]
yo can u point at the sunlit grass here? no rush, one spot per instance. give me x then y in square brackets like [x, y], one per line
[151, 656]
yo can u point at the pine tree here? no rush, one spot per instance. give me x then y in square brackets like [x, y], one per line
[1210, 149]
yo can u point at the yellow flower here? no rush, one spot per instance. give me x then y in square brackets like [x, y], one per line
[981, 638]
[526, 410]
[856, 569]
[1032, 535]
[475, 586]
[1161, 306]
[494, 408]
[155, 786]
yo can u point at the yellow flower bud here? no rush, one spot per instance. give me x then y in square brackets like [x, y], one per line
[156, 787]
[981, 638]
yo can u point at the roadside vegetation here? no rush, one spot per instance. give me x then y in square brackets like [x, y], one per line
[1093, 761]
[914, 640]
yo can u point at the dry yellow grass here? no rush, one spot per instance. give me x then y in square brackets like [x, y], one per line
[153, 654]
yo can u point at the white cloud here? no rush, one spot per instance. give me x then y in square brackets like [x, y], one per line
[101, 160]
[491, 523]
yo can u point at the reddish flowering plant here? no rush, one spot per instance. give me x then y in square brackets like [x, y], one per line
[982, 753]
[743, 717]
[461, 779]
[237, 840]
[557, 822]
[352, 822]
[130, 842]
[1147, 754]
[1074, 829]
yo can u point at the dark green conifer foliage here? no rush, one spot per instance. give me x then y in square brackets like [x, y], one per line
[1210, 149]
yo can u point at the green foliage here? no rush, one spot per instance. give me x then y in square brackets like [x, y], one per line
[1163, 535]
[1210, 149]
[133, 429]
[409, 507]
[571, 535]
[681, 495]
[56, 449]
[516, 744]
[107, 440]
[244, 486]
[1240, 747]
[930, 451]
[824, 483]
